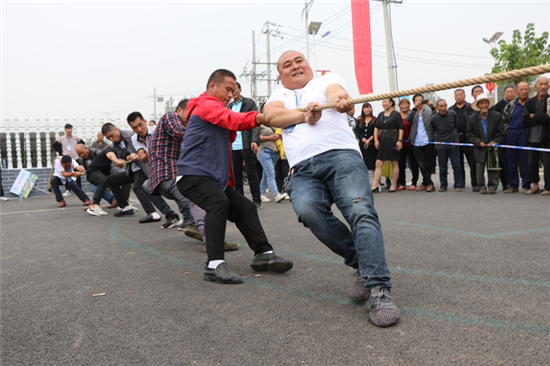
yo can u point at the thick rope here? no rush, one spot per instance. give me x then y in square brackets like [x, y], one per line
[515, 74]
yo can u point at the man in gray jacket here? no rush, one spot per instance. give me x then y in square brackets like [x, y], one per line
[421, 134]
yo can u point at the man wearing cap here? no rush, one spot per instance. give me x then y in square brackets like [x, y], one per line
[536, 116]
[485, 129]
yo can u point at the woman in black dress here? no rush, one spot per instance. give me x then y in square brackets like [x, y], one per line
[364, 132]
[388, 139]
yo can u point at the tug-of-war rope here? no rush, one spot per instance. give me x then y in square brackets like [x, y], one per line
[515, 74]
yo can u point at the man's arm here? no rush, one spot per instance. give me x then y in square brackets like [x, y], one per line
[471, 133]
[174, 127]
[143, 156]
[339, 96]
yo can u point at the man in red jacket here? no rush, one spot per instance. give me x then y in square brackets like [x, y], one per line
[204, 170]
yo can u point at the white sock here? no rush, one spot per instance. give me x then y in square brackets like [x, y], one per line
[268, 252]
[155, 216]
[127, 208]
[215, 264]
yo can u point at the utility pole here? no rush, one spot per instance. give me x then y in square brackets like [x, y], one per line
[307, 31]
[392, 68]
[254, 87]
[155, 102]
[268, 35]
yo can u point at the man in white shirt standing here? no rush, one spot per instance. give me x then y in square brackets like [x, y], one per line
[66, 171]
[328, 168]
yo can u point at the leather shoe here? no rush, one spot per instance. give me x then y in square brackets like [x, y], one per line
[511, 190]
[421, 188]
[88, 202]
[124, 213]
[430, 188]
[228, 246]
[533, 191]
[192, 232]
[222, 274]
[113, 204]
[270, 262]
[62, 203]
[475, 189]
[545, 193]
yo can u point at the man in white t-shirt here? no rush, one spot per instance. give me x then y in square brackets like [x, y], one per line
[66, 171]
[328, 168]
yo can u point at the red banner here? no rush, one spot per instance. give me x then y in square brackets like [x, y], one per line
[362, 48]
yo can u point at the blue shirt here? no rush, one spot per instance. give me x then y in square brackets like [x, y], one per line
[515, 118]
[484, 124]
[238, 143]
[236, 107]
[421, 137]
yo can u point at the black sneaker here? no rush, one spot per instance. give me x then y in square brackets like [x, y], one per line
[270, 262]
[171, 221]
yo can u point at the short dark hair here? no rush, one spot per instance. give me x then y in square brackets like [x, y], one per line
[66, 159]
[219, 76]
[440, 100]
[107, 127]
[133, 116]
[68, 125]
[462, 90]
[182, 104]
[508, 87]
[417, 95]
[475, 87]
[522, 81]
[238, 84]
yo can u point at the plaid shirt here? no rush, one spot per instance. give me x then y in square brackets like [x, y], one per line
[165, 149]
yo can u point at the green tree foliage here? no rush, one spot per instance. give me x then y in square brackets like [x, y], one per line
[524, 51]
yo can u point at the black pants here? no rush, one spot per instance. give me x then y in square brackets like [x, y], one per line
[281, 172]
[424, 156]
[533, 164]
[98, 179]
[221, 206]
[70, 185]
[468, 152]
[138, 178]
[413, 165]
[249, 158]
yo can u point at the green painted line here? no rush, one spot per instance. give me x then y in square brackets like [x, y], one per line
[114, 231]
[469, 233]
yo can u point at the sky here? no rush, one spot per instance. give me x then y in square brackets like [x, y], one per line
[104, 59]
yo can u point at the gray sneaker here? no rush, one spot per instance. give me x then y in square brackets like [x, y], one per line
[358, 292]
[382, 311]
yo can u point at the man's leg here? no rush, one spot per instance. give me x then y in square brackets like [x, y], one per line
[237, 165]
[252, 173]
[423, 157]
[115, 183]
[533, 165]
[480, 174]
[71, 184]
[442, 157]
[56, 182]
[143, 196]
[545, 159]
[512, 159]
[99, 180]
[455, 163]
[169, 189]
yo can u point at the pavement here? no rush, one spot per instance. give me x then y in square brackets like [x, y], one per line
[470, 274]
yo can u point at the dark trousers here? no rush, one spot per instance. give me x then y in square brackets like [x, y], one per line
[407, 152]
[468, 152]
[533, 168]
[516, 159]
[138, 178]
[99, 180]
[246, 155]
[1, 186]
[221, 206]
[70, 185]
[424, 157]
[492, 175]
[443, 157]
[281, 172]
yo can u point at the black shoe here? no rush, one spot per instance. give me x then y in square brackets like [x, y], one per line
[171, 221]
[222, 274]
[148, 218]
[475, 189]
[258, 206]
[270, 262]
[124, 213]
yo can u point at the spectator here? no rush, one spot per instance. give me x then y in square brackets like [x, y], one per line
[509, 95]
[444, 125]
[536, 116]
[100, 143]
[244, 149]
[421, 135]
[152, 123]
[364, 133]
[484, 131]
[268, 155]
[388, 140]
[515, 136]
[463, 111]
[406, 151]
[66, 170]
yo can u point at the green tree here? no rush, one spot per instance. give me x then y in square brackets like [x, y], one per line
[524, 51]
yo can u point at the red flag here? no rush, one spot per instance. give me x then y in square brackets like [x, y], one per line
[362, 48]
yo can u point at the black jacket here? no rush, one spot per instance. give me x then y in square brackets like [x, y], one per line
[253, 135]
[495, 132]
[538, 119]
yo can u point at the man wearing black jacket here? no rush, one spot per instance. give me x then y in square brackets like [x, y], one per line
[245, 148]
[536, 118]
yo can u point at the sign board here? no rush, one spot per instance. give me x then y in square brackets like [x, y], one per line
[24, 183]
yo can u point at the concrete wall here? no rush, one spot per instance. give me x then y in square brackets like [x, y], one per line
[43, 174]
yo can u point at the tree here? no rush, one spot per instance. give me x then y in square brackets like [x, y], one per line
[525, 51]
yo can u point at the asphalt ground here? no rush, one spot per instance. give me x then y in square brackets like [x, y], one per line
[470, 273]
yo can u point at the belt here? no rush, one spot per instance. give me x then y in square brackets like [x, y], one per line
[390, 130]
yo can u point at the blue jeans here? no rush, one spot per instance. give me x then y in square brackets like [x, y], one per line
[268, 158]
[107, 196]
[516, 158]
[443, 156]
[341, 177]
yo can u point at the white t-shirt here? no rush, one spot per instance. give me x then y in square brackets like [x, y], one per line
[331, 132]
[58, 168]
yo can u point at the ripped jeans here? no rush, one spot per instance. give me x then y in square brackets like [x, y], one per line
[341, 177]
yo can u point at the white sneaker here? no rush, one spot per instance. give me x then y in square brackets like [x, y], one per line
[287, 197]
[265, 199]
[67, 194]
[267, 190]
[4, 198]
[96, 211]
[279, 197]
